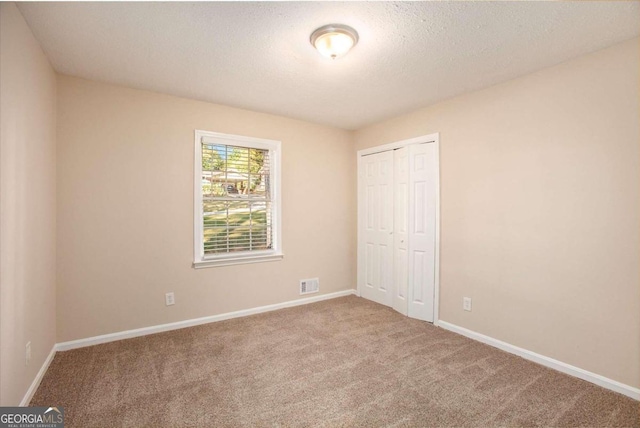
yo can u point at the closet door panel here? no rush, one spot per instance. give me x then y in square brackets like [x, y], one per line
[377, 232]
[421, 231]
[401, 229]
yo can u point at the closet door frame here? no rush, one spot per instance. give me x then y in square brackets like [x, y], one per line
[430, 139]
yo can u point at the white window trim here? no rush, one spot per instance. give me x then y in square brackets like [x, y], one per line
[274, 147]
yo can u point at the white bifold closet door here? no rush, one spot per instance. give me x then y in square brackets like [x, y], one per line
[397, 229]
[377, 248]
[422, 231]
[401, 230]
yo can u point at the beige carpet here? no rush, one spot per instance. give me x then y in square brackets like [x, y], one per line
[342, 362]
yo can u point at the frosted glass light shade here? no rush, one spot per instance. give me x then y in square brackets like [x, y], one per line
[334, 40]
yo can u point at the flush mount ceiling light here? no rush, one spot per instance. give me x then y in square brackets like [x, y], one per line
[334, 40]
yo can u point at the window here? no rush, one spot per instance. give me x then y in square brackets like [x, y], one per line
[237, 200]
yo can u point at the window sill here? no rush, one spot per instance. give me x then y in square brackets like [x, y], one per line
[230, 261]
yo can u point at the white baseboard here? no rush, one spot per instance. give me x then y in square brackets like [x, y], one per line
[36, 382]
[597, 379]
[112, 337]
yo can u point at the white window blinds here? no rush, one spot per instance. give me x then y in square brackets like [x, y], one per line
[237, 201]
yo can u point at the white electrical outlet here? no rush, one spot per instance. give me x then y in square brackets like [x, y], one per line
[169, 299]
[27, 354]
[466, 303]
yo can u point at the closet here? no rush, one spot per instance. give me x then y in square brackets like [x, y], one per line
[398, 225]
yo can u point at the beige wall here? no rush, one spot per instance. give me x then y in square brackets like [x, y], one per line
[540, 209]
[125, 210]
[27, 205]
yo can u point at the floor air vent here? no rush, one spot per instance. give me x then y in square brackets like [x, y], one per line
[309, 286]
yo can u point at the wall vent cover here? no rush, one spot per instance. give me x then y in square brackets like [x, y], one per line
[308, 286]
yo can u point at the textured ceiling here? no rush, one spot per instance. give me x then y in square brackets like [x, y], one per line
[258, 56]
